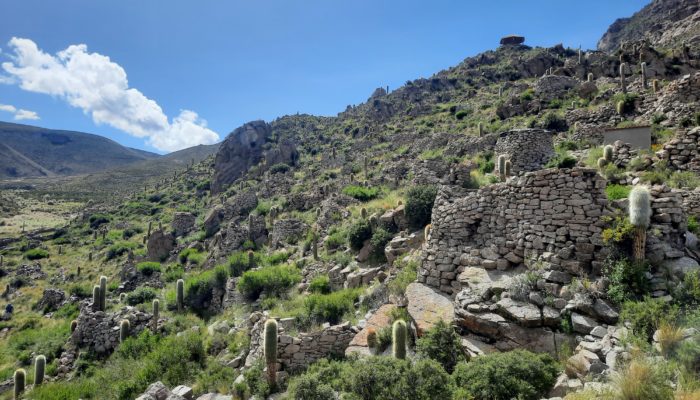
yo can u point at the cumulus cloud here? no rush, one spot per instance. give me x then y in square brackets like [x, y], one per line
[20, 114]
[99, 86]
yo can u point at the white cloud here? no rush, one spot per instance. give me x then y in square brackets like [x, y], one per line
[26, 114]
[20, 114]
[99, 86]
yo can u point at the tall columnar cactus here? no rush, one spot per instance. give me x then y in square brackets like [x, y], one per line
[270, 347]
[103, 293]
[620, 107]
[73, 325]
[20, 378]
[623, 83]
[502, 167]
[124, 328]
[251, 222]
[655, 86]
[156, 314]
[180, 294]
[426, 231]
[580, 56]
[314, 244]
[363, 213]
[96, 298]
[366, 162]
[644, 74]
[372, 341]
[640, 216]
[90, 256]
[508, 167]
[39, 368]
[251, 259]
[481, 129]
[398, 339]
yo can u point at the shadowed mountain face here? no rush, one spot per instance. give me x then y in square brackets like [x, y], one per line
[28, 151]
[666, 23]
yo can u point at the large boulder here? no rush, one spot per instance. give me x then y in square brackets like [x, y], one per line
[427, 306]
[212, 222]
[183, 223]
[380, 319]
[160, 244]
[678, 268]
[242, 149]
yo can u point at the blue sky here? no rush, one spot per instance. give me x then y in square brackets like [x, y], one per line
[228, 62]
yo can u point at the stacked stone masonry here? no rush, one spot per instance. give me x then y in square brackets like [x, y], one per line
[527, 149]
[682, 152]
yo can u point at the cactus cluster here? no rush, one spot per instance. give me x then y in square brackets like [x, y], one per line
[607, 157]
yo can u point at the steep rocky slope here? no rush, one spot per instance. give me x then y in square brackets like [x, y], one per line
[666, 23]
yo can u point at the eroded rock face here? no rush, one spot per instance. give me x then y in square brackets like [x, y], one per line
[242, 149]
[183, 223]
[160, 244]
[427, 306]
[51, 300]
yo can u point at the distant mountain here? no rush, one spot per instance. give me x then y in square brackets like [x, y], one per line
[666, 23]
[30, 151]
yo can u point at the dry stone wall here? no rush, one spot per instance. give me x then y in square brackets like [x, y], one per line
[548, 212]
[99, 331]
[527, 149]
[682, 152]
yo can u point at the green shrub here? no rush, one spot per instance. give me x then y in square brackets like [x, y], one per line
[361, 193]
[562, 159]
[407, 274]
[140, 296]
[617, 192]
[148, 267]
[96, 220]
[119, 249]
[336, 238]
[310, 387]
[461, 114]
[238, 262]
[553, 122]
[645, 316]
[358, 233]
[36, 254]
[442, 344]
[279, 168]
[173, 273]
[331, 307]
[517, 374]
[379, 240]
[273, 280]
[192, 255]
[320, 284]
[684, 179]
[693, 225]
[628, 279]
[199, 289]
[419, 205]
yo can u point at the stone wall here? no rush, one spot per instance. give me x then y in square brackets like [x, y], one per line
[682, 152]
[499, 226]
[99, 331]
[691, 201]
[295, 353]
[527, 149]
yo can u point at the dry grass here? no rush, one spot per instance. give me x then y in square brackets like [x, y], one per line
[642, 379]
[669, 336]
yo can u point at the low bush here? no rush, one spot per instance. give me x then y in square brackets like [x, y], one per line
[331, 307]
[320, 284]
[647, 315]
[119, 249]
[148, 267]
[407, 274]
[199, 289]
[517, 374]
[273, 280]
[442, 344]
[419, 205]
[191, 255]
[617, 192]
[628, 279]
[380, 238]
[279, 168]
[361, 193]
[358, 233]
[238, 263]
[36, 254]
[140, 295]
[96, 220]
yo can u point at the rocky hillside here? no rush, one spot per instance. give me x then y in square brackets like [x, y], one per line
[28, 151]
[472, 235]
[666, 23]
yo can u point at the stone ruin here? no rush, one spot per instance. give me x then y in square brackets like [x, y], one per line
[527, 149]
[99, 331]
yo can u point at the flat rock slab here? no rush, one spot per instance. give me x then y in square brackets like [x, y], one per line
[427, 306]
[480, 280]
[380, 319]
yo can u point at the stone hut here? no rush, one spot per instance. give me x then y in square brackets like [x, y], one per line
[527, 149]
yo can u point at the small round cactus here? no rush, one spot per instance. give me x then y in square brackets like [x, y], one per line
[124, 328]
[608, 152]
[372, 341]
[620, 107]
[73, 325]
[270, 348]
[602, 163]
[590, 77]
[122, 298]
[398, 339]
[20, 378]
[39, 368]
[655, 86]
[180, 294]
